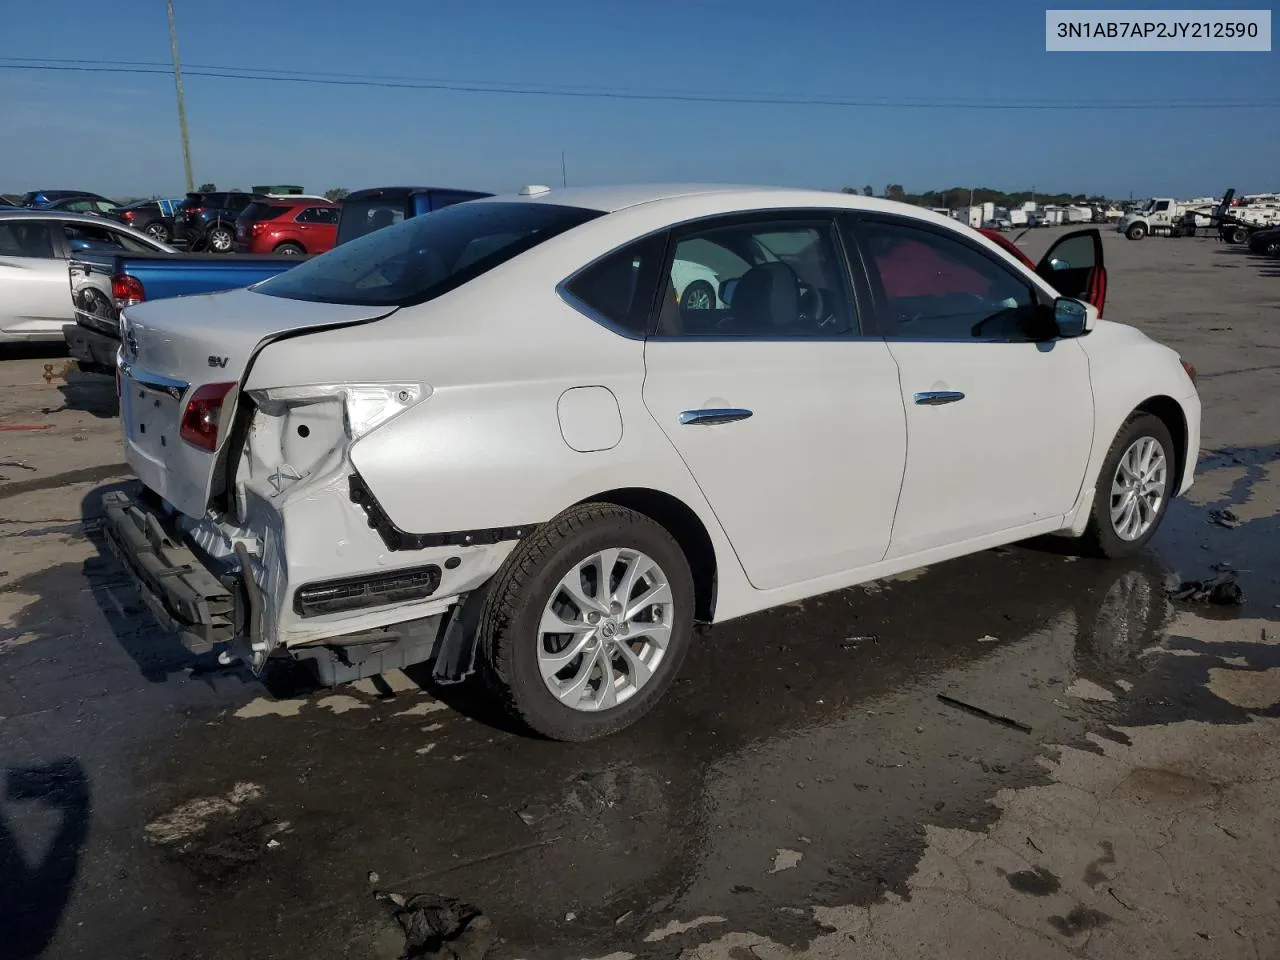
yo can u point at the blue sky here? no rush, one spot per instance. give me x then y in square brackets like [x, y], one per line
[118, 133]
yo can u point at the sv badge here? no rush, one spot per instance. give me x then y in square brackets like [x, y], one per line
[218, 361]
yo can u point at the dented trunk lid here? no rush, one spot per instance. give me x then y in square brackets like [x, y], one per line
[171, 348]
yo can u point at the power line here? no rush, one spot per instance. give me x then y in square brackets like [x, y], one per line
[515, 89]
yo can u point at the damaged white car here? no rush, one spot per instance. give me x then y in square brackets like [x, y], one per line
[495, 439]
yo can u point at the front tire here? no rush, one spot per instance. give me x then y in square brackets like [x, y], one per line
[587, 622]
[1136, 232]
[1272, 249]
[1131, 497]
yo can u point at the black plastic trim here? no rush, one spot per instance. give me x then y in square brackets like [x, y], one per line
[397, 539]
[371, 598]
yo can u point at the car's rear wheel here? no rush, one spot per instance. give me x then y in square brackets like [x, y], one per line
[1137, 480]
[158, 230]
[220, 238]
[1239, 235]
[587, 623]
[290, 250]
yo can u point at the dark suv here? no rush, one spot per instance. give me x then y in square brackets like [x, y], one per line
[207, 221]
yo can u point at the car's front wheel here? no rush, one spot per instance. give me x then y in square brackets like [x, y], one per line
[1137, 231]
[1137, 480]
[159, 230]
[587, 623]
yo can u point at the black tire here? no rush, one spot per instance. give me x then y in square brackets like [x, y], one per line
[219, 238]
[699, 290]
[508, 636]
[1100, 538]
[290, 249]
[1239, 235]
[1272, 249]
[1136, 232]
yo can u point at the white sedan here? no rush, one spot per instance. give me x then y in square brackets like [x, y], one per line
[492, 437]
[34, 248]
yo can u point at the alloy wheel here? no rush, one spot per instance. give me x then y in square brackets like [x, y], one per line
[1138, 488]
[605, 629]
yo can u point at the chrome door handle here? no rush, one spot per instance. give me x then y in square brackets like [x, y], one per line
[713, 415]
[935, 398]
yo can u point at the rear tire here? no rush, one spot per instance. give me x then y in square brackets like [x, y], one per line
[1136, 232]
[1239, 235]
[515, 648]
[220, 239]
[1107, 535]
[290, 249]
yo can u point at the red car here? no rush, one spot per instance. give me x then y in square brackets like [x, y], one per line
[287, 226]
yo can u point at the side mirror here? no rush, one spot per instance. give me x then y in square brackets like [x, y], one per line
[1058, 264]
[1074, 318]
[726, 290]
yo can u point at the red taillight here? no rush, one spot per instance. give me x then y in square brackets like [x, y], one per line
[127, 290]
[200, 418]
[1191, 371]
[258, 226]
[128, 215]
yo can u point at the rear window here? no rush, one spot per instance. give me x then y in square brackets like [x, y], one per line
[263, 211]
[361, 217]
[426, 256]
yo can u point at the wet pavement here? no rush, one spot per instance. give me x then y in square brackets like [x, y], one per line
[1031, 752]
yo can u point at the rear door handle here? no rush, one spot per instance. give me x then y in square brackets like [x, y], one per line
[936, 398]
[711, 416]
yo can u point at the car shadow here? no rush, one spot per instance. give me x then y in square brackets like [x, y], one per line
[34, 891]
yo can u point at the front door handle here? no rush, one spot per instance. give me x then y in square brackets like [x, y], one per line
[710, 416]
[936, 398]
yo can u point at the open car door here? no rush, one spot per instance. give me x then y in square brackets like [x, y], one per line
[1074, 267]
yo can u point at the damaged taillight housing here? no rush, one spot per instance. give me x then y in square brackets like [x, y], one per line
[365, 406]
[203, 414]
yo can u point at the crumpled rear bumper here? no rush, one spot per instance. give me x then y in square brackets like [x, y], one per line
[183, 595]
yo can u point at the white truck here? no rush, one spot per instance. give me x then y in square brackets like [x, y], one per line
[1159, 215]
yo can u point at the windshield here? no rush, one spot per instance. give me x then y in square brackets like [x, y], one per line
[425, 256]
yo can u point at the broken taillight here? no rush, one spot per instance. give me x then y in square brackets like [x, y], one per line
[127, 290]
[202, 414]
[1191, 370]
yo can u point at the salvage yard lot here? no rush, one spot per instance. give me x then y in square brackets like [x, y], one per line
[802, 792]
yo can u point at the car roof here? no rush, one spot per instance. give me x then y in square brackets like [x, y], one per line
[724, 197]
[26, 213]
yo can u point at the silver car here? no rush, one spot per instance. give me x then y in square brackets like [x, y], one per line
[34, 248]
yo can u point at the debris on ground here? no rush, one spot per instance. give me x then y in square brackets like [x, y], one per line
[988, 639]
[853, 643]
[439, 927]
[1225, 518]
[985, 714]
[1222, 591]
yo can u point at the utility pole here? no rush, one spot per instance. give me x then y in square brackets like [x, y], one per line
[564, 178]
[182, 104]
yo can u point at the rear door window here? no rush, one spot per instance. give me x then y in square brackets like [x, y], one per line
[424, 257]
[25, 238]
[318, 215]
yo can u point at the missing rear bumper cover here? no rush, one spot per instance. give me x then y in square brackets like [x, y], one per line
[397, 539]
